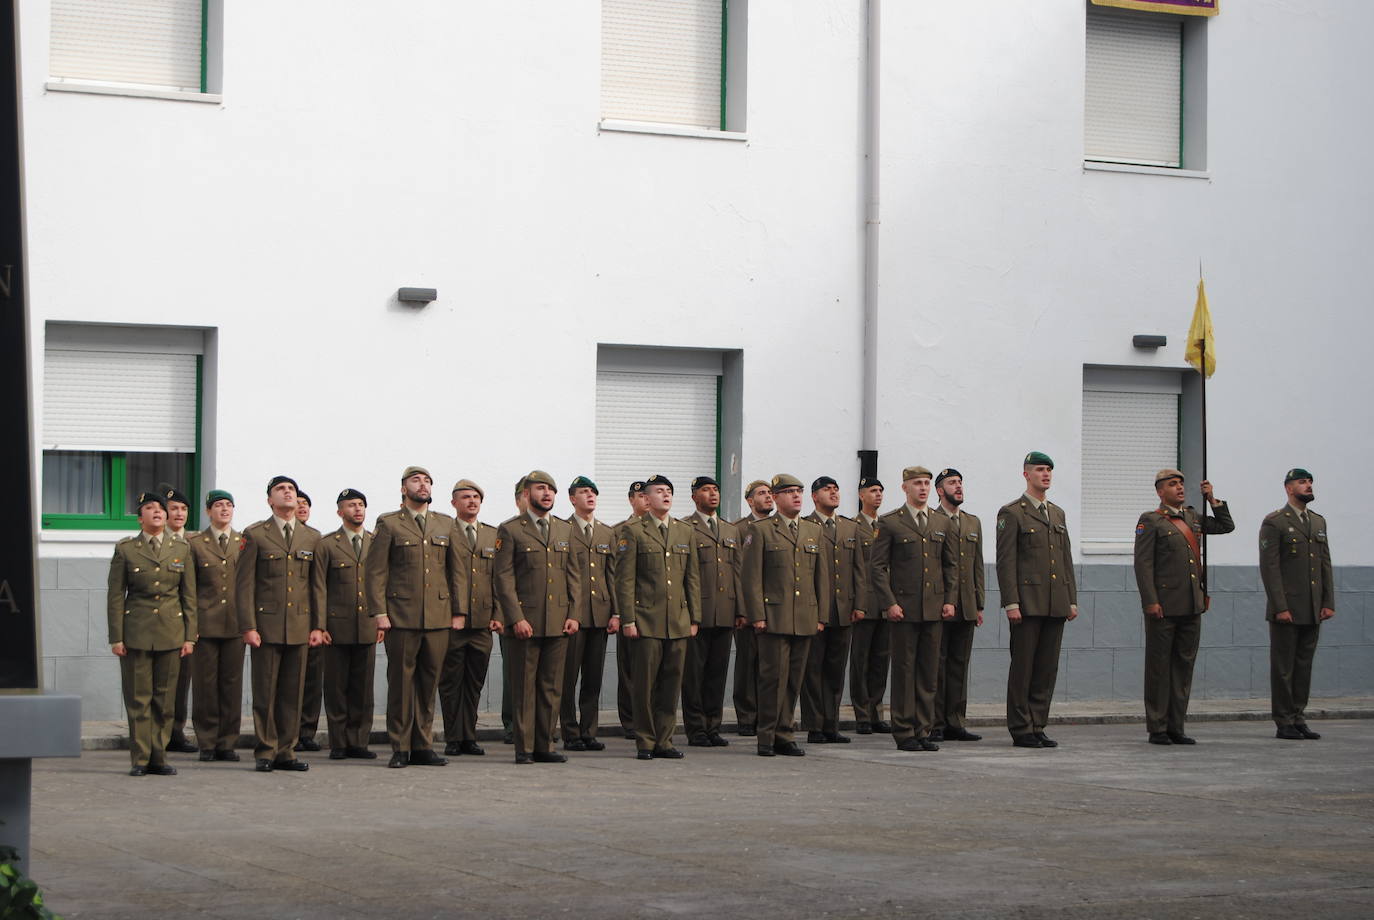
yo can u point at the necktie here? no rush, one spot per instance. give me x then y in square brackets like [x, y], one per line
[286, 533]
[792, 526]
[1302, 516]
[587, 531]
[472, 535]
[715, 528]
[544, 530]
[357, 546]
[420, 520]
[830, 528]
[663, 531]
[157, 543]
[223, 542]
[921, 519]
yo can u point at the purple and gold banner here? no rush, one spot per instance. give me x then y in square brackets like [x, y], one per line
[1178, 7]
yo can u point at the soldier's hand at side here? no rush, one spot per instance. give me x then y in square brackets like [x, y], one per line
[1284, 616]
[497, 627]
[1154, 610]
[947, 612]
[569, 627]
[631, 631]
[1013, 615]
[1073, 611]
[381, 634]
[820, 627]
[760, 625]
[328, 639]
[523, 629]
[384, 622]
[613, 626]
[1326, 613]
[741, 622]
[316, 638]
[460, 622]
[895, 613]
[252, 639]
[695, 628]
[855, 616]
[187, 648]
[119, 649]
[979, 621]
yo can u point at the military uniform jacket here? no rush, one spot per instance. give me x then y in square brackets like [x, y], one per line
[657, 583]
[911, 567]
[340, 589]
[411, 575]
[272, 583]
[1035, 560]
[785, 581]
[217, 615]
[968, 591]
[1295, 565]
[848, 570]
[718, 561]
[151, 601]
[1167, 570]
[537, 582]
[594, 559]
[479, 599]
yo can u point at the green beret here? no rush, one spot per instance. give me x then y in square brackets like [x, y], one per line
[785, 481]
[582, 482]
[216, 495]
[1038, 458]
[540, 476]
[1296, 472]
[412, 470]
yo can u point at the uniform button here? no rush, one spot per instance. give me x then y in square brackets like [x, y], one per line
[1052, 575]
[223, 600]
[670, 581]
[288, 603]
[798, 593]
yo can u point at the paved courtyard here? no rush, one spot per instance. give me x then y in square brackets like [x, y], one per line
[1242, 825]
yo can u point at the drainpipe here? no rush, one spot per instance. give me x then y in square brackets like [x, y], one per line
[868, 452]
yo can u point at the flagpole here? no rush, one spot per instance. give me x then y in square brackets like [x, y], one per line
[1206, 505]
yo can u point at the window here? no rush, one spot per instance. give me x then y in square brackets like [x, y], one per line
[121, 413]
[673, 62]
[154, 45]
[1145, 88]
[1130, 432]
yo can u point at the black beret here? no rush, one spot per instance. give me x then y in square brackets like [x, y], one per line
[946, 473]
[278, 480]
[822, 482]
[867, 481]
[301, 496]
[173, 494]
[637, 487]
[704, 481]
[658, 479]
[348, 494]
[146, 497]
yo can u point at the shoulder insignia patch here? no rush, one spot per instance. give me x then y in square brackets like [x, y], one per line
[1263, 543]
[498, 543]
[1001, 523]
[622, 544]
[749, 538]
[1139, 529]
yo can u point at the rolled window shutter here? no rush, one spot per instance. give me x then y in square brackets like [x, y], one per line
[661, 61]
[148, 42]
[119, 401]
[1134, 86]
[654, 423]
[1127, 439]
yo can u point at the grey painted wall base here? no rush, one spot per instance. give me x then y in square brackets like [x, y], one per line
[1102, 658]
[31, 725]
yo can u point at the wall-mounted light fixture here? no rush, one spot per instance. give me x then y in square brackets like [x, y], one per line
[1149, 341]
[417, 295]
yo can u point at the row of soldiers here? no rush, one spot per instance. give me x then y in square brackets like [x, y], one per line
[799, 597]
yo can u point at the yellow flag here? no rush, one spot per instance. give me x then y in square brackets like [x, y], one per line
[1200, 332]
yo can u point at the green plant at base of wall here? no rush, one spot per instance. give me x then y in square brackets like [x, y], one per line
[20, 898]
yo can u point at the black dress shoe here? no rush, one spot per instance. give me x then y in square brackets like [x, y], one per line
[815, 737]
[699, 741]
[472, 748]
[550, 757]
[766, 752]
[957, 734]
[1045, 740]
[307, 744]
[207, 755]
[630, 734]
[398, 760]
[453, 749]
[836, 738]
[337, 754]
[162, 769]
[359, 753]
[1160, 738]
[1026, 741]
[523, 758]
[139, 770]
[291, 766]
[937, 734]
[1288, 733]
[882, 728]
[576, 744]
[179, 745]
[717, 740]
[909, 744]
[426, 758]
[1180, 738]
[230, 756]
[1306, 732]
[928, 745]
[592, 744]
[668, 753]
[264, 765]
[644, 755]
[748, 731]
[788, 749]
[864, 728]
